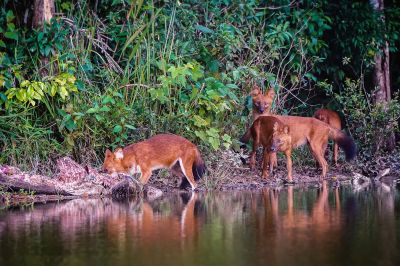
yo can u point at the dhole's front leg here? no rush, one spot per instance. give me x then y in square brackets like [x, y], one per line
[253, 155]
[288, 155]
[186, 167]
[265, 164]
[273, 161]
[145, 176]
[252, 162]
[269, 161]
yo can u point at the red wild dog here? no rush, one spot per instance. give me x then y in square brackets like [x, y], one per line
[161, 151]
[262, 132]
[302, 130]
[314, 132]
[262, 103]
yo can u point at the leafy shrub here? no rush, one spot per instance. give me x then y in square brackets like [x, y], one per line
[131, 69]
[370, 124]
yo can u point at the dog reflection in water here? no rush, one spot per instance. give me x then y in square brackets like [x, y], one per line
[161, 222]
[287, 214]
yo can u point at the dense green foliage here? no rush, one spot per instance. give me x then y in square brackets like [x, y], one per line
[113, 73]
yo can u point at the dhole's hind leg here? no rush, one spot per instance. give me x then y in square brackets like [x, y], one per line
[323, 152]
[319, 155]
[186, 167]
[335, 153]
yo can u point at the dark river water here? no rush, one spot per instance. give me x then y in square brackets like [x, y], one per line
[286, 226]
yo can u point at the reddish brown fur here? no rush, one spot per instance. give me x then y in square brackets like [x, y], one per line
[262, 103]
[262, 132]
[332, 118]
[309, 130]
[316, 133]
[160, 151]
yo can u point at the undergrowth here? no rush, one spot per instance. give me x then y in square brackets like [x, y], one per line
[106, 76]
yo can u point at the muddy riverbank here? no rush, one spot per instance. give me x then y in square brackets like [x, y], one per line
[73, 180]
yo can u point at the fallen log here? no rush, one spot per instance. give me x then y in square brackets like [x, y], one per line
[15, 185]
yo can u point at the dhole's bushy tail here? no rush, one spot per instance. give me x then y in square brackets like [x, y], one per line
[199, 167]
[345, 142]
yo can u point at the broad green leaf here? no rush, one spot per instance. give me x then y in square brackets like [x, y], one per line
[203, 29]
[104, 109]
[92, 110]
[130, 127]
[117, 129]
[11, 35]
[40, 36]
[9, 16]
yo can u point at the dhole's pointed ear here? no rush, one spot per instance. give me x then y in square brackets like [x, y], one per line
[108, 153]
[270, 93]
[119, 154]
[255, 92]
[286, 129]
[276, 126]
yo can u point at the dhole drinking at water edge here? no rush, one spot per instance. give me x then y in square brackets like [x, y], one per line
[161, 151]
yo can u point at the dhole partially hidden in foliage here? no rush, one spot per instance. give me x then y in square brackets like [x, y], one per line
[161, 151]
[262, 103]
[333, 119]
[305, 130]
[262, 132]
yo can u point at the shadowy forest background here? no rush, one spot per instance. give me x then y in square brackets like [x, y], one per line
[77, 77]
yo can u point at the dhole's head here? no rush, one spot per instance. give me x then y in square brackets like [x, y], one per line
[281, 139]
[113, 162]
[262, 103]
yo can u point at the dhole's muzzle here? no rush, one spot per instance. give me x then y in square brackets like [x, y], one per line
[274, 148]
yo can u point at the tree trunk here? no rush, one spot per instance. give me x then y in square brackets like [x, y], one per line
[382, 74]
[381, 69]
[43, 11]
[15, 185]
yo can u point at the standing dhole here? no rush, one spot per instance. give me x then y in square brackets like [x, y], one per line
[262, 132]
[332, 118]
[302, 130]
[262, 103]
[161, 151]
